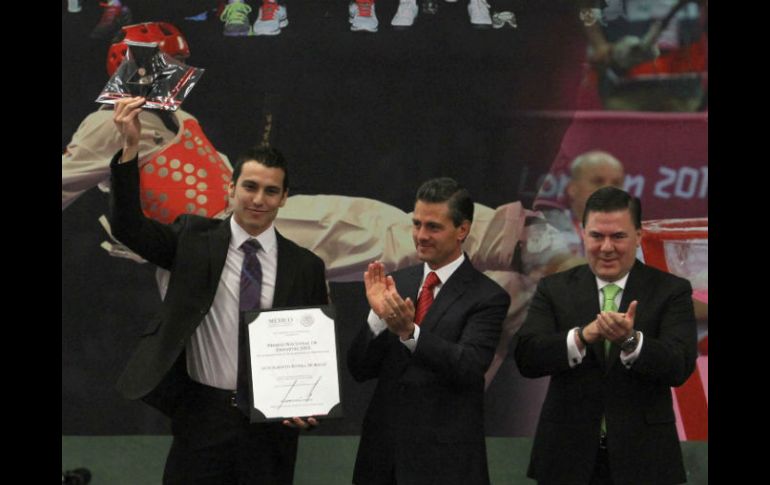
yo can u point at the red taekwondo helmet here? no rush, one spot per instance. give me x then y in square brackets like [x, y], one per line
[170, 40]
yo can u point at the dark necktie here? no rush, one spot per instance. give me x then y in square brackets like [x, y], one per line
[426, 297]
[251, 292]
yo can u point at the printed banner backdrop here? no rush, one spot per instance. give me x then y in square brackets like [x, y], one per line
[359, 116]
[665, 156]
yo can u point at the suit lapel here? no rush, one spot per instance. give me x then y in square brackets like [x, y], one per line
[286, 270]
[637, 286]
[219, 241]
[409, 284]
[451, 290]
[586, 301]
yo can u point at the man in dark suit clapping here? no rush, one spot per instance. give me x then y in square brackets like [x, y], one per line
[614, 335]
[429, 338]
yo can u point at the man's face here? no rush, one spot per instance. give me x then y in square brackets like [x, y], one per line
[436, 238]
[590, 179]
[256, 196]
[611, 239]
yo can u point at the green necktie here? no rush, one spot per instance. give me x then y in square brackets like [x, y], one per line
[610, 292]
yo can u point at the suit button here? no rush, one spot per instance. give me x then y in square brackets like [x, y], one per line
[203, 311]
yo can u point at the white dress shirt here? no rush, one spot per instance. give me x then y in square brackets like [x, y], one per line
[212, 351]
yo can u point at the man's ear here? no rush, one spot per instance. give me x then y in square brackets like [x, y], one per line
[464, 230]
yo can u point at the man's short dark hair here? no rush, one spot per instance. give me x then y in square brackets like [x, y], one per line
[267, 156]
[445, 189]
[611, 199]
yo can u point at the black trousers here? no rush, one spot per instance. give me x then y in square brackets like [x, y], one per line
[214, 444]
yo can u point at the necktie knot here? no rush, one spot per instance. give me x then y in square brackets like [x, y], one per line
[250, 246]
[610, 292]
[431, 281]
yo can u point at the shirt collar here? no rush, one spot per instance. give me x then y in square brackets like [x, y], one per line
[267, 239]
[445, 271]
[621, 282]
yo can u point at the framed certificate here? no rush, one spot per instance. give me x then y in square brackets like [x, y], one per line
[293, 363]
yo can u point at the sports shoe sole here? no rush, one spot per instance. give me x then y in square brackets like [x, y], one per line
[281, 24]
[353, 28]
[237, 34]
[271, 33]
[401, 27]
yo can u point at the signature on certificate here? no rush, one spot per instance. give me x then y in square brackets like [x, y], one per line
[298, 396]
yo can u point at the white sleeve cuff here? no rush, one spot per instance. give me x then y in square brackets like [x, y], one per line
[376, 324]
[411, 343]
[574, 355]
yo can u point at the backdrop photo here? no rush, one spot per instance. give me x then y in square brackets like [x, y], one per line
[359, 116]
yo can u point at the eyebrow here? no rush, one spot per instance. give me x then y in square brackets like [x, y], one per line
[427, 223]
[266, 186]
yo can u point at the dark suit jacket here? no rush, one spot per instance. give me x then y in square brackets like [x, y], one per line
[194, 249]
[643, 446]
[425, 422]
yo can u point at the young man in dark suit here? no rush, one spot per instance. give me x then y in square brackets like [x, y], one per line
[429, 338]
[187, 361]
[614, 335]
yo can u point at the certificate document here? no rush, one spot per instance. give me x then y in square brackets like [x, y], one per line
[293, 358]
